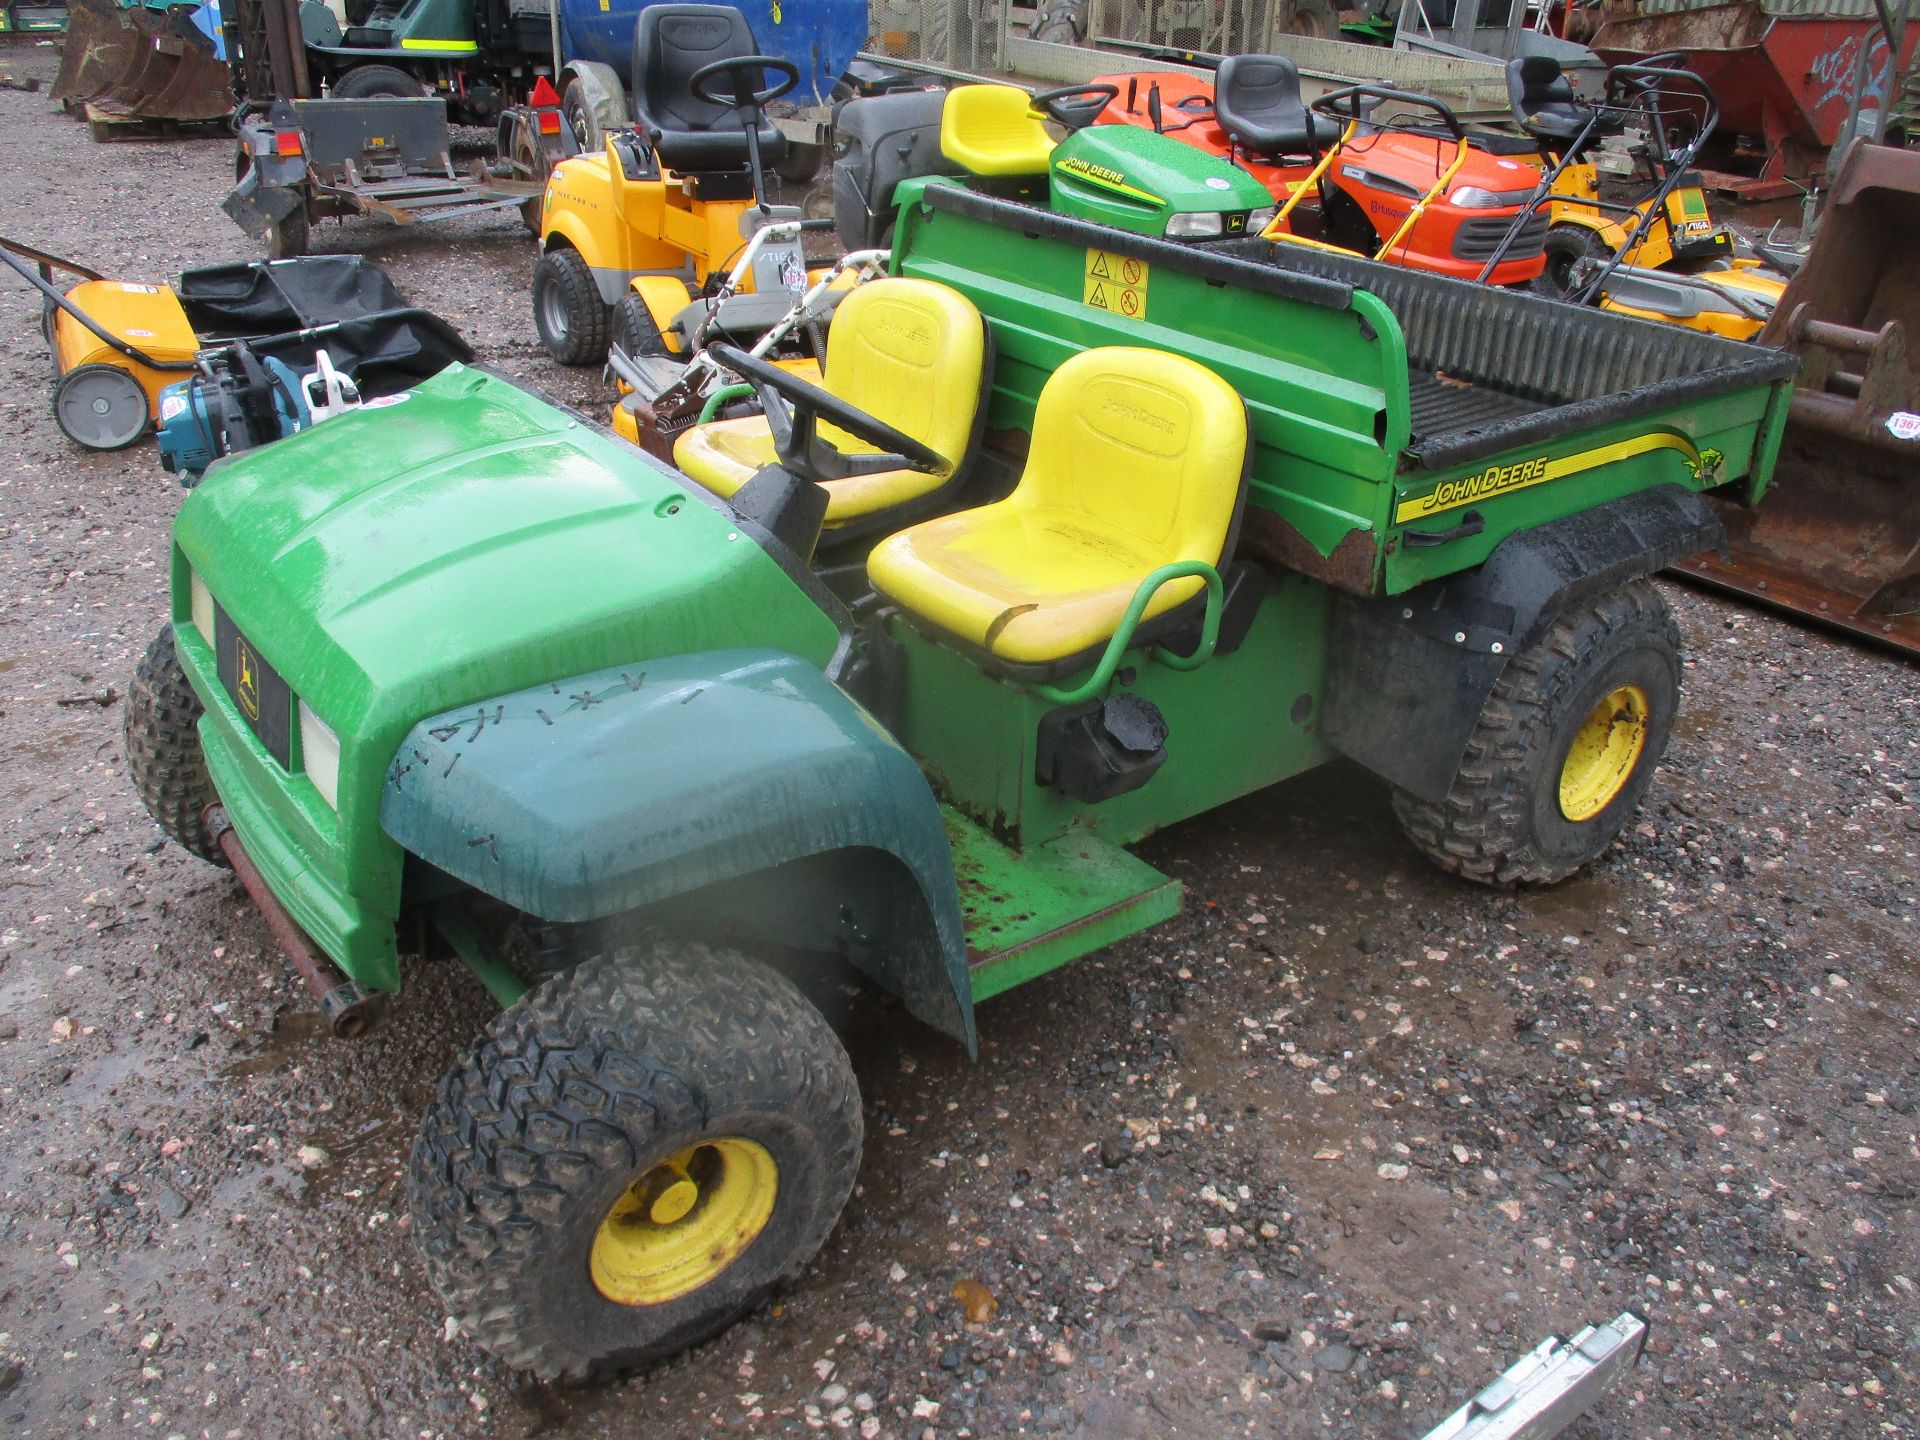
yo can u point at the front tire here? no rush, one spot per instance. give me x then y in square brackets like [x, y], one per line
[164, 760]
[631, 1157]
[636, 331]
[1565, 748]
[572, 319]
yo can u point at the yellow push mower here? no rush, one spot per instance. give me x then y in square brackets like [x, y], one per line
[116, 345]
[1659, 256]
[631, 236]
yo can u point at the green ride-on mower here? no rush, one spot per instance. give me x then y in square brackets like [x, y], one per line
[469, 666]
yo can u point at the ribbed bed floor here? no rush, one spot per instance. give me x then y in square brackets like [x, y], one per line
[1442, 407]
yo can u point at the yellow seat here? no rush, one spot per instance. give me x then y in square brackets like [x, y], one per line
[1137, 461]
[909, 352]
[992, 130]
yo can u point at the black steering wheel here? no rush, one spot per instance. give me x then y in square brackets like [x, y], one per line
[794, 412]
[742, 95]
[1076, 106]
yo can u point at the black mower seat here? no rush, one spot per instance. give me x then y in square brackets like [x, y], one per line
[670, 42]
[1543, 100]
[1256, 99]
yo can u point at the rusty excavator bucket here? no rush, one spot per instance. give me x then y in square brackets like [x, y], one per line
[1837, 536]
[134, 61]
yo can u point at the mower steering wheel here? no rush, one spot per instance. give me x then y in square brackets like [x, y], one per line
[794, 412]
[743, 96]
[1075, 106]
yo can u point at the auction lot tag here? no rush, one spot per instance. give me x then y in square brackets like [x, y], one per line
[1904, 425]
[1117, 283]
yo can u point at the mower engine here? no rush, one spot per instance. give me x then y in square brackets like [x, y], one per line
[239, 401]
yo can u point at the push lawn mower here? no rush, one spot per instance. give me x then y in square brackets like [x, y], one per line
[119, 347]
[667, 206]
[1423, 196]
[1659, 255]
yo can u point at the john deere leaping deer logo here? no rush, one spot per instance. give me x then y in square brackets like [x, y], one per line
[246, 679]
[1707, 467]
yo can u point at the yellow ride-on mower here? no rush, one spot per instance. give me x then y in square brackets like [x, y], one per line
[1658, 255]
[650, 222]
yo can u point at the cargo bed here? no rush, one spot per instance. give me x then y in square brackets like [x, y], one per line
[1404, 423]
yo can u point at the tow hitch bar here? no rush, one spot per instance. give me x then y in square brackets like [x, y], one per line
[1550, 1386]
[350, 1010]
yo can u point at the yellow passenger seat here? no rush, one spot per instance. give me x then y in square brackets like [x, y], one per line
[909, 352]
[992, 130]
[1138, 460]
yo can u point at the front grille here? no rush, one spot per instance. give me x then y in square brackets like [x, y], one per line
[1478, 238]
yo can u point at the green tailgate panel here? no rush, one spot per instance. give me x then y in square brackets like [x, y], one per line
[1030, 912]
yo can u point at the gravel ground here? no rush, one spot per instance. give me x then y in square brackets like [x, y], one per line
[1321, 1157]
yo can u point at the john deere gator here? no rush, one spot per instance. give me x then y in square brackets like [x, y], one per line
[1086, 533]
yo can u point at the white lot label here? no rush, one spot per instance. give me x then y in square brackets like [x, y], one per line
[1904, 425]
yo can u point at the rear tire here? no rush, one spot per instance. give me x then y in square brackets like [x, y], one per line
[1567, 245]
[542, 1184]
[568, 312]
[164, 759]
[1565, 749]
[369, 82]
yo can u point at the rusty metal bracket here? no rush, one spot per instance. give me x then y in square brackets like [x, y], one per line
[351, 1010]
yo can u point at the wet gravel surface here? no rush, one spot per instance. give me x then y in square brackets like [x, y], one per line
[1320, 1157]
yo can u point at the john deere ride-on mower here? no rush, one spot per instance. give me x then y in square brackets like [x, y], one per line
[643, 226]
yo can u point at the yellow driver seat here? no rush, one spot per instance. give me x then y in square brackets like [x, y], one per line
[992, 130]
[1138, 460]
[909, 352]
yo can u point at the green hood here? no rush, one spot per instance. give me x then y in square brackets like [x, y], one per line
[462, 541]
[1125, 176]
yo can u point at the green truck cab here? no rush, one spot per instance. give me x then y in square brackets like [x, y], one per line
[468, 656]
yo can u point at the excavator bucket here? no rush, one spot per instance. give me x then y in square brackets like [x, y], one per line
[181, 80]
[135, 61]
[105, 44]
[1837, 536]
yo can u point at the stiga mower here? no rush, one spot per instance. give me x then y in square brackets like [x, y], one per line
[127, 353]
[663, 392]
[1424, 196]
[667, 207]
[1658, 255]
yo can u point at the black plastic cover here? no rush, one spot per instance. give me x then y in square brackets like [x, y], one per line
[1408, 675]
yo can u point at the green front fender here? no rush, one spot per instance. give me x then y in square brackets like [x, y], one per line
[605, 793]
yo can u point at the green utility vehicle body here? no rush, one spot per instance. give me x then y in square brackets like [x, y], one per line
[563, 676]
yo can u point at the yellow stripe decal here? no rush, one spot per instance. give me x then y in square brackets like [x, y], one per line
[1505, 479]
[464, 46]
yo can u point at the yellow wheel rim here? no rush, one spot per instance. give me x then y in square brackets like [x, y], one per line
[684, 1221]
[1605, 752]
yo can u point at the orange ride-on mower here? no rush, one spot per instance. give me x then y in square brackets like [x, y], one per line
[658, 217]
[1423, 196]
